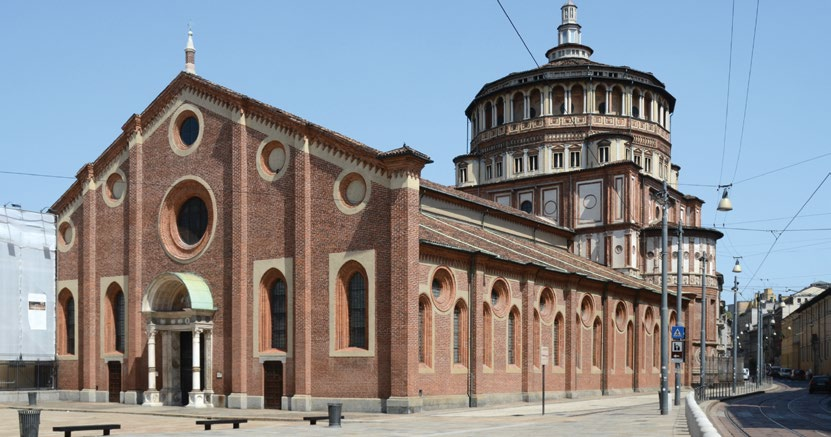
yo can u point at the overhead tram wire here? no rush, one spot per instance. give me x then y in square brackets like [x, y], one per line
[778, 235]
[727, 100]
[747, 92]
[517, 33]
[769, 172]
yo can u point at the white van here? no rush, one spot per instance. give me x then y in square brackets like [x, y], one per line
[746, 373]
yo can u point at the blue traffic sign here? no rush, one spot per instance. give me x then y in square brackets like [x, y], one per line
[678, 333]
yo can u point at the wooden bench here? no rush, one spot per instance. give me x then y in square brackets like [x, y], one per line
[209, 422]
[313, 419]
[67, 430]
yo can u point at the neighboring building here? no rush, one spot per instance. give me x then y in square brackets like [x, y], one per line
[27, 300]
[225, 252]
[587, 146]
[806, 333]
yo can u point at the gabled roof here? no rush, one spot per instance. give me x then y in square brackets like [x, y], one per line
[223, 96]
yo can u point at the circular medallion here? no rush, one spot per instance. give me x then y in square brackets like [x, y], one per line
[589, 201]
[550, 208]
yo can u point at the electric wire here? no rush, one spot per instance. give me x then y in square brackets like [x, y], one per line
[517, 33]
[766, 173]
[778, 235]
[747, 92]
[727, 100]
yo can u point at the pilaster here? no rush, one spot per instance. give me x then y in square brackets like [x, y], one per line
[88, 284]
[238, 295]
[299, 370]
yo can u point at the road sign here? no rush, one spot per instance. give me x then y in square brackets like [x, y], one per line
[544, 355]
[677, 352]
[678, 333]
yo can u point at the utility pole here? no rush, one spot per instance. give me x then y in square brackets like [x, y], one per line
[678, 295]
[703, 369]
[663, 199]
[735, 332]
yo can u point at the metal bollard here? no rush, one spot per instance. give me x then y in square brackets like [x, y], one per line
[334, 415]
[29, 422]
[33, 398]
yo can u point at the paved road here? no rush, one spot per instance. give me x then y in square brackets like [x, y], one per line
[635, 415]
[786, 410]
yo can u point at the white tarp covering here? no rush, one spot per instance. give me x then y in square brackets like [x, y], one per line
[27, 285]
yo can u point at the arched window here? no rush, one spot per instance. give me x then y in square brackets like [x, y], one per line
[425, 331]
[578, 342]
[597, 343]
[460, 333]
[488, 115]
[577, 100]
[513, 337]
[527, 206]
[273, 311]
[500, 111]
[518, 106]
[357, 311]
[487, 335]
[656, 346]
[558, 335]
[630, 346]
[535, 103]
[558, 105]
[600, 99]
[115, 319]
[279, 328]
[66, 323]
[351, 308]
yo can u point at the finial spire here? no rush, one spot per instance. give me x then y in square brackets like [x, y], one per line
[190, 54]
[569, 36]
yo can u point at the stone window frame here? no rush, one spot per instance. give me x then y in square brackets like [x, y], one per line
[513, 331]
[71, 287]
[107, 332]
[262, 268]
[447, 295]
[597, 342]
[425, 333]
[341, 268]
[487, 338]
[266, 146]
[340, 188]
[179, 116]
[460, 337]
[501, 307]
[177, 194]
[547, 305]
[66, 225]
[107, 187]
[265, 313]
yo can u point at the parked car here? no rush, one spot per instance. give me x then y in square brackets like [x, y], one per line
[785, 373]
[798, 374]
[820, 383]
[773, 371]
[746, 373]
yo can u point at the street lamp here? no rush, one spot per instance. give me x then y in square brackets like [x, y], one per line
[736, 269]
[725, 204]
[663, 199]
[703, 370]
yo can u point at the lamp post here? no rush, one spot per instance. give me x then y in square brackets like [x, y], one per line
[678, 295]
[760, 364]
[703, 369]
[663, 199]
[736, 269]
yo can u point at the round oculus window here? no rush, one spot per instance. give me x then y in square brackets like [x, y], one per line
[547, 304]
[189, 130]
[550, 208]
[116, 186]
[67, 233]
[353, 189]
[192, 220]
[589, 201]
[442, 289]
[187, 219]
[273, 158]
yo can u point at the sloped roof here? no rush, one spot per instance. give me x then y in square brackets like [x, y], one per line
[442, 232]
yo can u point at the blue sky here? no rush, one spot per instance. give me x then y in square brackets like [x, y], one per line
[389, 72]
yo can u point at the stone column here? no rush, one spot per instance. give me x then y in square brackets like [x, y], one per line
[151, 396]
[567, 102]
[526, 106]
[197, 397]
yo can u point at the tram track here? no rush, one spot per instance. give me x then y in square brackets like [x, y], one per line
[735, 426]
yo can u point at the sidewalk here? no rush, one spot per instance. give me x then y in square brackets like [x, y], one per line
[634, 415]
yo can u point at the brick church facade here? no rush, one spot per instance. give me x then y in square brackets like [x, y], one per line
[223, 252]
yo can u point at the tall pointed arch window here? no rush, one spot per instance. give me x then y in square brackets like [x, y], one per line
[425, 331]
[273, 312]
[537, 342]
[630, 346]
[513, 337]
[557, 340]
[115, 319]
[66, 323]
[460, 333]
[487, 335]
[597, 343]
[351, 306]
[357, 311]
